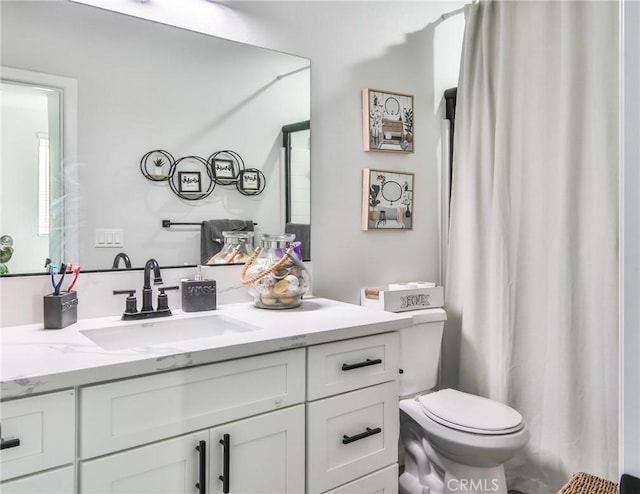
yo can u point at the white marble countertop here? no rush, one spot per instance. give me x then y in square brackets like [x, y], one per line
[36, 360]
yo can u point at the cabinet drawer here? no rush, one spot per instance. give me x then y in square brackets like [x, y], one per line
[351, 435]
[58, 481]
[132, 412]
[383, 481]
[45, 428]
[347, 365]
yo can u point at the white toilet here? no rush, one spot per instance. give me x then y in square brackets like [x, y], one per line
[453, 441]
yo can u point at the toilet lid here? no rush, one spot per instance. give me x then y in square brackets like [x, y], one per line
[470, 413]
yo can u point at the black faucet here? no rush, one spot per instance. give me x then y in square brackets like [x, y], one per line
[124, 257]
[147, 292]
[146, 289]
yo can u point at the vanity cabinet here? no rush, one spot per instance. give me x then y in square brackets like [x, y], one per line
[352, 415]
[38, 435]
[290, 410]
[191, 418]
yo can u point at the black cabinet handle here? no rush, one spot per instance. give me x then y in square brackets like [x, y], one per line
[226, 453]
[201, 448]
[369, 432]
[9, 443]
[366, 363]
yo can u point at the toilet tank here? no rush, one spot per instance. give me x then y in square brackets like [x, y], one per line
[420, 345]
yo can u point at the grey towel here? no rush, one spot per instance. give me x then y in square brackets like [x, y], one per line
[211, 239]
[303, 233]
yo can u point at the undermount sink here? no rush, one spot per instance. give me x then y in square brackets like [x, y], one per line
[160, 332]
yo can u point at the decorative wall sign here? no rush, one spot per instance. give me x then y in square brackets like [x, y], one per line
[387, 200]
[223, 169]
[251, 182]
[189, 182]
[226, 167]
[387, 121]
[192, 178]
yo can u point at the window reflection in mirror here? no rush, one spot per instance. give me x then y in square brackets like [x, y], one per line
[296, 141]
[31, 187]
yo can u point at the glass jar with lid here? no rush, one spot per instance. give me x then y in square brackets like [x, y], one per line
[276, 277]
[237, 248]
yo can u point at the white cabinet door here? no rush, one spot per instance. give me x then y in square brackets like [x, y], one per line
[170, 467]
[58, 481]
[38, 433]
[264, 454]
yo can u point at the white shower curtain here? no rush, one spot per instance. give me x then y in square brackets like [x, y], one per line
[532, 268]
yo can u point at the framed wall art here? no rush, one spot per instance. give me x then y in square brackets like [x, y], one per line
[387, 121]
[387, 200]
[189, 182]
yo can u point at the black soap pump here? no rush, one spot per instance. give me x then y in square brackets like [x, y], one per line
[198, 294]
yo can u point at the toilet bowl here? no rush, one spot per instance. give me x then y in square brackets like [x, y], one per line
[449, 449]
[452, 441]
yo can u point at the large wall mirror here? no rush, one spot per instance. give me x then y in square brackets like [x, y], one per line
[141, 86]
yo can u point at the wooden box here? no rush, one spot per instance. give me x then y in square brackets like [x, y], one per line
[418, 295]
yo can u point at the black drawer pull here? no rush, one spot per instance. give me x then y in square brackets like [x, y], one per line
[9, 443]
[362, 435]
[366, 363]
[202, 467]
[225, 462]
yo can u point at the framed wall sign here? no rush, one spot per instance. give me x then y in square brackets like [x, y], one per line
[189, 182]
[251, 182]
[224, 169]
[387, 200]
[387, 121]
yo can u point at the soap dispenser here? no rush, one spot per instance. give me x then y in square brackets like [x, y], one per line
[198, 294]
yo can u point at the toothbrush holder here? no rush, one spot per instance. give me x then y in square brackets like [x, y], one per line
[60, 310]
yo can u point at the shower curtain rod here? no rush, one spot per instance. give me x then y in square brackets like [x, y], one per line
[446, 15]
[282, 76]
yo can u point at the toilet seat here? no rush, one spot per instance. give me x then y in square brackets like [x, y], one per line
[470, 413]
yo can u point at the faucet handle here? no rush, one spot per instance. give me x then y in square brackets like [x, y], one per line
[163, 288]
[131, 302]
[163, 300]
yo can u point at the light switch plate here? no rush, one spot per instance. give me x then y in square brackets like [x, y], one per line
[109, 237]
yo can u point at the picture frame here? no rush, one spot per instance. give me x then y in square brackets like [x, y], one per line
[387, 200]
[224, 169]
[190, 182]
[387, 121]
[250, 180]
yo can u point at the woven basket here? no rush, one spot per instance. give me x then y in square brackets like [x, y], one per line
[584, 483]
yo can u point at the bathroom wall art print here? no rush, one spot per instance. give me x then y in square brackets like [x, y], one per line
[387, 121]
[387, 200]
